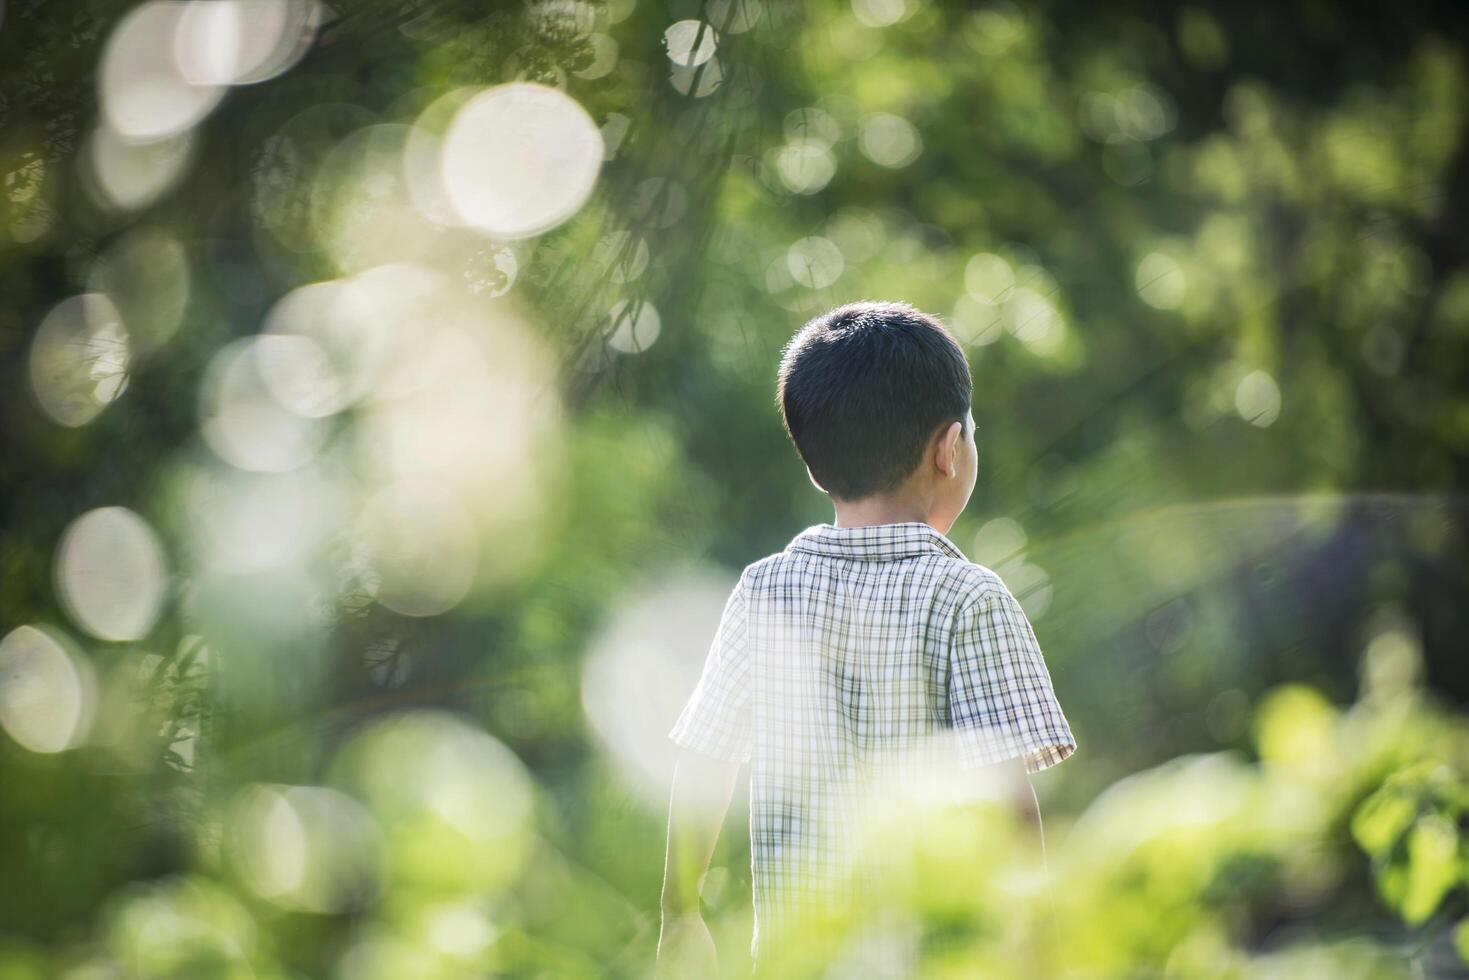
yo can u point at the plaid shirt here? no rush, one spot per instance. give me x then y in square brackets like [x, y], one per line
[850, 644]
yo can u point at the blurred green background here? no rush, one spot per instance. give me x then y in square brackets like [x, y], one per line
[388, 408]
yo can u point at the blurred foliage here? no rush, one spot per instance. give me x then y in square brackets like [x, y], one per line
[426, 527]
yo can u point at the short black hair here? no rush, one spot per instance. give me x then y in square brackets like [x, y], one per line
[862, 390]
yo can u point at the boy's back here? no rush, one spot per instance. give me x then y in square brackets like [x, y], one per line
[865, 639]
[852, 649]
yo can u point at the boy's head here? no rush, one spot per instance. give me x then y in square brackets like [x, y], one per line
[869, 391]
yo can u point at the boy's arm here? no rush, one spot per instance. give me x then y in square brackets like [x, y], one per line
[702, 789]
[1017, 795]
[1020, 793]
[1002, 701]
[714, 732]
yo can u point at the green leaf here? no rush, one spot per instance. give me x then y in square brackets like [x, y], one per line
[1382, 819]
[1295, 725]
[1433, 866]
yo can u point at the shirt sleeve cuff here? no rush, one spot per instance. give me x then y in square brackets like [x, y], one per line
[1040, 749]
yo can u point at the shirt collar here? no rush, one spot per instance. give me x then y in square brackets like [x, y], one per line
[875, 542]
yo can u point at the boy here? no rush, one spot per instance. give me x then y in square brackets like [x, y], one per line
[869, 635]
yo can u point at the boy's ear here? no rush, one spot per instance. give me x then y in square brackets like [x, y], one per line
[946, 453]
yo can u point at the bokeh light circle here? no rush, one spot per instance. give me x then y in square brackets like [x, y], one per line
[624, 256]
[1034, 320]
[998, 541]
[422, 162]
[1257, 399]
[889, 140]
[306, 848]
[111, 574]
[144, 93]
[697, 80]
[880, 13]
[362, 206]
[815, 262]
[422, 546]
[989, 277]
[634, 326]
[642, 667]
[1160, 281]
[600, 59]
[256, 522]
[519, 159]
[300, 375]
[145, 275]
[128, 176]
[454, 803]
[976, 322]
[238, 42]
[690, 43]
[47, 692]
[241, 417]
[178, 926]
[805, 165]
[347, 330]
[79, 359]
[491, 271]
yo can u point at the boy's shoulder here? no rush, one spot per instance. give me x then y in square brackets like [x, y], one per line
[962, 580]
[764, 570]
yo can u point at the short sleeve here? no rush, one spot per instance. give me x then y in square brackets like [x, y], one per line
[716, 721]
[1001, 702]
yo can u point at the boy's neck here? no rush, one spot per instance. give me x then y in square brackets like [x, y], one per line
[878, 509]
